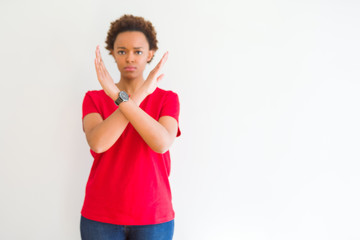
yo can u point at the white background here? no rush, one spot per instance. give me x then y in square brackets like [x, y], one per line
[269, 94]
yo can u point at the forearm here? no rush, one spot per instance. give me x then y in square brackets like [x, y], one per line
[106, 133]
[151, 131]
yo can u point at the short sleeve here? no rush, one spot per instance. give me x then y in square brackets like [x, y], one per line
[88, 105]
[171, 107]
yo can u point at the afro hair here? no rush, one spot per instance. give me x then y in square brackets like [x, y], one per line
[129, 22]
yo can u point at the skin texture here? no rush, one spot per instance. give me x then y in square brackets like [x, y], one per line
[130, 49]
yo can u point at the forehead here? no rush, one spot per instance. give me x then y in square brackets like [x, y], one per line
[131, 39]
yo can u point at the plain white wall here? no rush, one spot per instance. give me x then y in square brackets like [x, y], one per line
[270, 116]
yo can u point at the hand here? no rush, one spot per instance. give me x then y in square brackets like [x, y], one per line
[151, 82]
[105, 80]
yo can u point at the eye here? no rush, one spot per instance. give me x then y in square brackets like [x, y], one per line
[139, 52]
[121, 52]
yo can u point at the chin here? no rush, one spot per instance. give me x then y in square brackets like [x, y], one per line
[130, 75]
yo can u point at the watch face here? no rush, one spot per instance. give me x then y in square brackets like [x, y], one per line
[124, 96]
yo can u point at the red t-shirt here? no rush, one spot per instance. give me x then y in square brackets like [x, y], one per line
[129, 183]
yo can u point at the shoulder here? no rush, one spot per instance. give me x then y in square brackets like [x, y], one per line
[165, 93]
[160, 98]
[166, 98]
[95, 93]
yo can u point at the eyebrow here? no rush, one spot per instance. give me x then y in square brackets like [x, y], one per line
[134, 47]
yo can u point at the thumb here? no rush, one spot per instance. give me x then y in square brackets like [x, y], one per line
[160, 77]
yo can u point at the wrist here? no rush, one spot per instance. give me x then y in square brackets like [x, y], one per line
[139, 95]
[113, 92]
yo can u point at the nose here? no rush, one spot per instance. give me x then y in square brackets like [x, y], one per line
[130, 57]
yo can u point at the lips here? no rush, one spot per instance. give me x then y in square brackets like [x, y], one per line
[130, 68]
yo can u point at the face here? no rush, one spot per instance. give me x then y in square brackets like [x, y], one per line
[131, 53]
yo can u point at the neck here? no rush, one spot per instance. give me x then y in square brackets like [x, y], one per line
[130, 86]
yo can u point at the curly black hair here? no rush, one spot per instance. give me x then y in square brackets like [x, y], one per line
[129, 22]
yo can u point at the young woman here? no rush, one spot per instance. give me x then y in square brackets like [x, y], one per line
[129, 126]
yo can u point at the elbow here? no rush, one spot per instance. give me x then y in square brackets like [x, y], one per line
[161, 148]
[95, 144]
[163, 145]
[97, 148]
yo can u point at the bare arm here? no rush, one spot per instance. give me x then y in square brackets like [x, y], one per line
[102, 134]
[159, 135]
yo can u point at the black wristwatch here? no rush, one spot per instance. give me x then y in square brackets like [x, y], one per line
[123, 97]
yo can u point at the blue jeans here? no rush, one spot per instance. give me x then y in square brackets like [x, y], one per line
[93, 230]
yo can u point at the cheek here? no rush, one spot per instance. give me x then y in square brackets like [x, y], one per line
[143, 61]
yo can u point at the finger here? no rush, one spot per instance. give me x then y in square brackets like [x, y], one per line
[97, 69]
[161, 63]
[100, 68]
[165, 57]
[104, 72]
[97, 53]
[163, 60]
[98, 65]
[160, 77]
[97, 59]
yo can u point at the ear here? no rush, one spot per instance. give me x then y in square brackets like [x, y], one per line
[150, 56]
